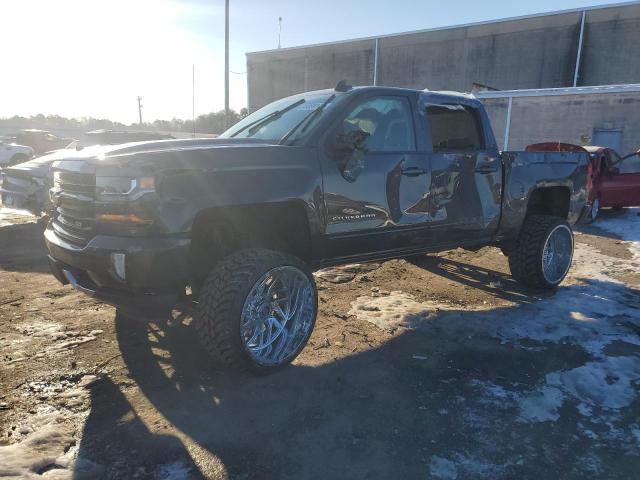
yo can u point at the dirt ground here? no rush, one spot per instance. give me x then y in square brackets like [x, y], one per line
[438, 367]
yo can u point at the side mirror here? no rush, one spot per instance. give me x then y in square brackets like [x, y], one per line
[349, 149]
[350, 141]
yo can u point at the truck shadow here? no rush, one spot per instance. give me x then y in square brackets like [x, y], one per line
[22, 248]
[381, 413]
[493, 282]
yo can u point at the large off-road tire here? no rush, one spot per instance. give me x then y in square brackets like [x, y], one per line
[257, 309]
[543, 252]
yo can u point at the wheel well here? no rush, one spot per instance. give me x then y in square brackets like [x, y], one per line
[17, 157]
[549, 201]
[217, 232]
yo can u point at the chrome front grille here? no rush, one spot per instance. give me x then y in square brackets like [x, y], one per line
[73, 195]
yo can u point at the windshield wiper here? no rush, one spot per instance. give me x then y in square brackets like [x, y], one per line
[307, 120]
[259, 123]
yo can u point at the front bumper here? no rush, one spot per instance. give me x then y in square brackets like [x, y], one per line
[156, 269]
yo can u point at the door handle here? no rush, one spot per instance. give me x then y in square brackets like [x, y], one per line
[487, 169]
[413, 171]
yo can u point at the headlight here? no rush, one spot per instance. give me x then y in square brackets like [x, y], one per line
[124, 185]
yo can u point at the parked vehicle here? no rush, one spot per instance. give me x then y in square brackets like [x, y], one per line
[613, 181]
[318, 179]
[11, 153]
[26, 186]
[41, 141]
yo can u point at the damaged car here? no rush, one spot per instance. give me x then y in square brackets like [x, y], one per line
[26, 185]
[12, 153]
[613, 181]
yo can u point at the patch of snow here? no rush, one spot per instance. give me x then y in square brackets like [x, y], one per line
[606, 383]
[40, 329]
[636, 433]
[173, 471]
[45, 451]
[443, 468]
[541, 406]
[625, 226]
[585, 410]
[399, 309]
[10, 216]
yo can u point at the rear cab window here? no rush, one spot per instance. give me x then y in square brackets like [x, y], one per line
[455, 129]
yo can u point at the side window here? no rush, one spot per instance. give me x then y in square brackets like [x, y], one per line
[387, 120]
[454, 128]
[630, 165]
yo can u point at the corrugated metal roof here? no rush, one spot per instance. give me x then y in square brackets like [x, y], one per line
[547, 92]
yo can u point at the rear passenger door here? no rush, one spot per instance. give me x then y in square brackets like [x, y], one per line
[466, 173]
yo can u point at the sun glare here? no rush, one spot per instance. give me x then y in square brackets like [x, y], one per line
[92, 58]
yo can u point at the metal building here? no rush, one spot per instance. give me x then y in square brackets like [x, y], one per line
[527, 58]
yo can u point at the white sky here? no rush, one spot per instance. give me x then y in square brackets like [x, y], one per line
[94, 57]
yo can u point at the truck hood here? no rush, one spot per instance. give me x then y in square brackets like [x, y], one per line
[125, 152]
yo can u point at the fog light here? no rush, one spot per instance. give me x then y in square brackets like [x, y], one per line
[118, 264]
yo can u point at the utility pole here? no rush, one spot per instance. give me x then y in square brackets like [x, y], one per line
[193, 98]
[226, 63]
[140, 108]
[279, 31]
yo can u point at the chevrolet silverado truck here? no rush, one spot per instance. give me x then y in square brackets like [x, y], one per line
[233, 227]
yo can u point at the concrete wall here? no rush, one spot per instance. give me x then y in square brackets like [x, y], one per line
[291, 71]
[534, 52]
[567, 118]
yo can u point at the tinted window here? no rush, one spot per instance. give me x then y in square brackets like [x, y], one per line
[387, 120]
[454, 128]
[630, 165]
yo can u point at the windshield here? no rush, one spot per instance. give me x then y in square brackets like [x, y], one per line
[274, 121]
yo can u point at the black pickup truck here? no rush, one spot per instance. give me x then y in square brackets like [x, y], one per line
[234, 226]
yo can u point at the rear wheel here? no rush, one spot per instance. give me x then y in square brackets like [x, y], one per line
[543, 252]
[257, 309]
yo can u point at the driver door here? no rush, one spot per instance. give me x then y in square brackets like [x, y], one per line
[376, 197]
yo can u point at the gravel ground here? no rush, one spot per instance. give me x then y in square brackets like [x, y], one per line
[438, 367]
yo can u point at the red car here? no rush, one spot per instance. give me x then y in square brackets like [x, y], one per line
[614, 181]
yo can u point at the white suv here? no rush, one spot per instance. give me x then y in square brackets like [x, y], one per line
[12, 154]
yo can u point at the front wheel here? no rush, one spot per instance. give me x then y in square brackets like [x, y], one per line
[257, 309]
[543, 252]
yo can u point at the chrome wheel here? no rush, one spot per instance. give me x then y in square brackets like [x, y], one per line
[278, 315]
[557, 254]
[595, 208]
